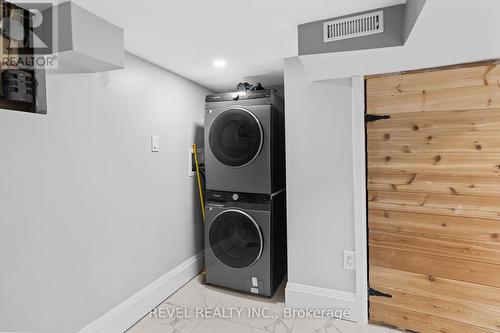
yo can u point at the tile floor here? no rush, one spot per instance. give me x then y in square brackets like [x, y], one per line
[195, 295]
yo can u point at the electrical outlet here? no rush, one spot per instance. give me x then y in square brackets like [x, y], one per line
[350, 260]
[155, 144]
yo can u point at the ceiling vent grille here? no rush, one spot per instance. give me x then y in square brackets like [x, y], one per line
[354, 26]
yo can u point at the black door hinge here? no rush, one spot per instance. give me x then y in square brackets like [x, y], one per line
[373, 292]
[373, 117]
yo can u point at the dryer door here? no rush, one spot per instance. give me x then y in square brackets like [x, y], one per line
[236, 137]
[236, 239]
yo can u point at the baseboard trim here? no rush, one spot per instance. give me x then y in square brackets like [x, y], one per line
[300, 296]
[127, 313]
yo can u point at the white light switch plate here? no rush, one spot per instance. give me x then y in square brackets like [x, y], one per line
[155, 144]
[350, 260]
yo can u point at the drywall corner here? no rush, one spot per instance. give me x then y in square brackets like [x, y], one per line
[86, 43]
[319, 114]
[413, 9]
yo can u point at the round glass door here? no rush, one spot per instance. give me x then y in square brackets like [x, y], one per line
[236, 137]
[235, 239]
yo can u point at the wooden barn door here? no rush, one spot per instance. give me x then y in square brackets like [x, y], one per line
[434, 199]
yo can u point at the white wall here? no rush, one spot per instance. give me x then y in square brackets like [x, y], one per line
[319, 183]
[88, 215]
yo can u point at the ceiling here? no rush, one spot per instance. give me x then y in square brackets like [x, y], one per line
[253, 37]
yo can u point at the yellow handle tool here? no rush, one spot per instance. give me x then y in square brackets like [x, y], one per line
[198, 176]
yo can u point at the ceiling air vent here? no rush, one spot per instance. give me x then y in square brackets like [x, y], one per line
[354, 26]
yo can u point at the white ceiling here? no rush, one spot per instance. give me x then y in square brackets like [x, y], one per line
[253, 36]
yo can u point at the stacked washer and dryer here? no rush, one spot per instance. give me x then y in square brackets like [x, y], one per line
[245, 231]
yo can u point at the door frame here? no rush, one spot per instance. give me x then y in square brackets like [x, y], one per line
[360, 200]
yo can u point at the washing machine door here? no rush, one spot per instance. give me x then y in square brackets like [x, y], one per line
[236, 137]
[236, 239]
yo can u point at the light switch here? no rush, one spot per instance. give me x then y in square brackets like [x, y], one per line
[155, 144]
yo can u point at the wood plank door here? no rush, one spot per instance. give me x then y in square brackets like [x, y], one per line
[434, 199]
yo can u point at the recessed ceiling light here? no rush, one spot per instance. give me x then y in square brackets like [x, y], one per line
[220, 63]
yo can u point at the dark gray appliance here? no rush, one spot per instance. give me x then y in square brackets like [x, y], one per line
[245, 241]
[245, 142]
